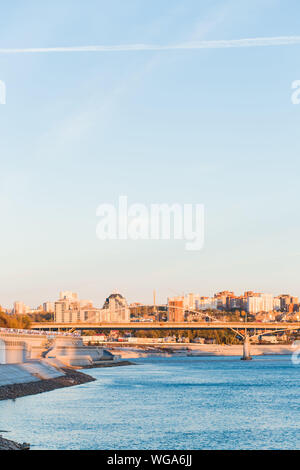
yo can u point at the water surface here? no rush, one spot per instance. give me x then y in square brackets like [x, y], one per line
[167, 403]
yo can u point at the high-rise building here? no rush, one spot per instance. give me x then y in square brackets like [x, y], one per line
[48, 307]
[223, 299]
[206, 303]
[191, 300]
[276, 304]
[68, 295]
[69, 309]
[176, 306]
[267, 302]
[117, 308]
[259, 303]
[20, 308]
[287, 302]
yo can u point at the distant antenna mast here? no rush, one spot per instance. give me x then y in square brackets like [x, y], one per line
[154, 304]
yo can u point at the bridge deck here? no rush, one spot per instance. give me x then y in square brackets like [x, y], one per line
[167, 326]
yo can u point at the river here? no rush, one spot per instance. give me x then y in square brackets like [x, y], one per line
[167, 403]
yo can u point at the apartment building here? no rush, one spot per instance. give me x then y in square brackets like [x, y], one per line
[70, 309]
[259, 303]
[176, 306]
[20, 308]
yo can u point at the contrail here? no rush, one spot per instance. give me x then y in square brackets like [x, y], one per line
[219, 44]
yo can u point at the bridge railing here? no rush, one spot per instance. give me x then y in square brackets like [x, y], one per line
[19, 331]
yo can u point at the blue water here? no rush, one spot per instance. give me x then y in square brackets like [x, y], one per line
[167, 403]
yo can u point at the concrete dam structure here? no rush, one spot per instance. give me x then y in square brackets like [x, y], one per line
[72, 352]
[34, 362]
[12, 351]
[17, 347]
[64, 349]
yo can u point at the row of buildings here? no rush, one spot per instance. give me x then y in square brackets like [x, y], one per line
[20, 308]
[70, 309]
[226, 301]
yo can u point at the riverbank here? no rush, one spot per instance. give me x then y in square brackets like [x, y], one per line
[70, 378]
[110, 364]
[140, 351]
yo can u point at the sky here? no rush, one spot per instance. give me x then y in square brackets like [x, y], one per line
[206, 126]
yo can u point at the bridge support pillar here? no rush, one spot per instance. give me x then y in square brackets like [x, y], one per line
[246, 349]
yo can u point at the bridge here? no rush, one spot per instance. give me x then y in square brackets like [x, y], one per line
[242, 329]
[276, 326]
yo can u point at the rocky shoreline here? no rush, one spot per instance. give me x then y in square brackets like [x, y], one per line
[110, 364]
[72, 377]
[11, 445]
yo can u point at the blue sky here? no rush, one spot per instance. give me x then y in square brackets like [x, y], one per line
[215, 127]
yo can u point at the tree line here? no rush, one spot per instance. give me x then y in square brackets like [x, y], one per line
[21, 322]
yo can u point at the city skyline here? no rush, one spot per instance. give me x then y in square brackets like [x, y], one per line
[32, 301]
[215, 294]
